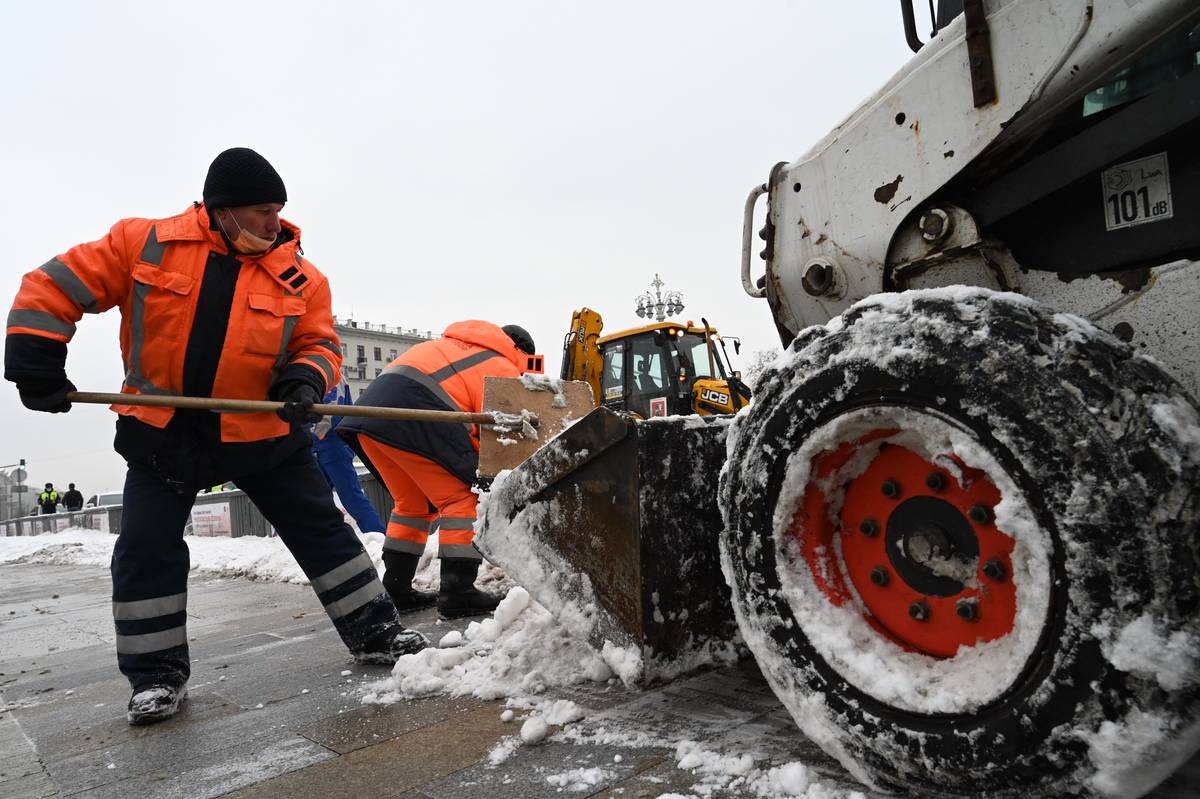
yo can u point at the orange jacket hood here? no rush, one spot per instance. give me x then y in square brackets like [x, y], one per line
[488, 335]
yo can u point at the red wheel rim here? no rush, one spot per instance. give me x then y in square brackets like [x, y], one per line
[918, 544]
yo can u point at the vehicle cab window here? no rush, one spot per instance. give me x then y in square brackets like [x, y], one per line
[694, 350]
[612, 378]
[649, 376]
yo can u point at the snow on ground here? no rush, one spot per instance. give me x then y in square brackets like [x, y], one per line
[249, 557]
[520, 654]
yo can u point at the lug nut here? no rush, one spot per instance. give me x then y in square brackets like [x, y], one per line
[935, 481]
[880, 576]
[980, 514]
[869, 528]
[994, 570]
[919, 610]
[890, 489]
[967, 609]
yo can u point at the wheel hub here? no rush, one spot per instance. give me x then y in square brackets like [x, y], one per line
[939, 576]
[931, 545]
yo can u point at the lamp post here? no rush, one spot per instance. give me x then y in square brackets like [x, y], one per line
[659, 305]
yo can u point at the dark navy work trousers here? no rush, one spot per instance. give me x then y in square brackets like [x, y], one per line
[150, 565]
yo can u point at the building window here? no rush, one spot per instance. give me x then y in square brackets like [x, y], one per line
[377, 371]
[362, 353]
[392, 354]
[378, 354]
[343, 349]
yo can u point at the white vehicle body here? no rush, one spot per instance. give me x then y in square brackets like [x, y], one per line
[871, 208]
[106, 498]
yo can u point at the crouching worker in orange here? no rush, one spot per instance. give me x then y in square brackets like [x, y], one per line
[429, 466]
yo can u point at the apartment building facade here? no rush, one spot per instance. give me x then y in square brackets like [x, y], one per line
[368, 348]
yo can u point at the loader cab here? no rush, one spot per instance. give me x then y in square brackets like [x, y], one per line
[641, 375]
[663, 369]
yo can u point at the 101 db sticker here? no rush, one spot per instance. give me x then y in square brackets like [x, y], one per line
[1137, 192]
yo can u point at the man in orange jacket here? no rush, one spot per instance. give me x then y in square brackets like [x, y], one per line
[216, 301]
[429, 467]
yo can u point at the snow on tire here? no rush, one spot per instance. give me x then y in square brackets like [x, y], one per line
[962, 537]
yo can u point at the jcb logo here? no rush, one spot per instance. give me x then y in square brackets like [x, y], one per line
[717, 397]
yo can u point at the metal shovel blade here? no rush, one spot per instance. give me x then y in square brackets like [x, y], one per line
[555, 404]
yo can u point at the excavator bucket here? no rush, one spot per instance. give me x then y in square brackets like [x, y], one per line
[612, 526]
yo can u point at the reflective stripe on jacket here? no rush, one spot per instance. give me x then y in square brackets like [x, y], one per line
[444, 374]
[281, 317]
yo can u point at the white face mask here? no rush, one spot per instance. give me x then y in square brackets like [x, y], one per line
[245, 242]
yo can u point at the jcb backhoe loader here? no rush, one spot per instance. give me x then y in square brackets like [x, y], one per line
[660, 369]
[959, 527]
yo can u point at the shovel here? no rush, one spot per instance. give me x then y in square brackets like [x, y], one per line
[519, 415]
[257, 406]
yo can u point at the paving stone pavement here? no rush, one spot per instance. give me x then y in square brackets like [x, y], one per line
[275, 711]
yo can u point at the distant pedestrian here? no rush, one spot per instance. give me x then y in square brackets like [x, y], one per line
[72, 500]
[429, 467]
[336, 460]
[48, 499]
[217, 301]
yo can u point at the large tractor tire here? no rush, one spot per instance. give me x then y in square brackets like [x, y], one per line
[962, 538]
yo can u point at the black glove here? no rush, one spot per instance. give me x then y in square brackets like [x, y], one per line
[48, 394]
[298, 398]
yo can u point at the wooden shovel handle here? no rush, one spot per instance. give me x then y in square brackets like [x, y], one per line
[218, 404]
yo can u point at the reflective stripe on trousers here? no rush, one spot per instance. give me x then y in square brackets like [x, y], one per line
[407, 533]
[455, 534]
[343, 575]
[165, 612]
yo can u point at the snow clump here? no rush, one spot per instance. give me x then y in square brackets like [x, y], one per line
[518, 652]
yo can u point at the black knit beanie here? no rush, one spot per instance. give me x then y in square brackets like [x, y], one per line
[239, 176]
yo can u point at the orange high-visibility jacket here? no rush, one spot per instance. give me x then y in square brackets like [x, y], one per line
[281, 315]
[444, 374]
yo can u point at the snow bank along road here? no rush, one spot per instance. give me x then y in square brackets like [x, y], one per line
[510, 706]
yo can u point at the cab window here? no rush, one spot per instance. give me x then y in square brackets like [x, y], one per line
[649, 372]
[612, 379]
[695, 352]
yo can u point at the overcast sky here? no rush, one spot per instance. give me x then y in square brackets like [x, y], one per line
[508, 161]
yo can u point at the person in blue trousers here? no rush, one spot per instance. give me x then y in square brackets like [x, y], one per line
[336, 460]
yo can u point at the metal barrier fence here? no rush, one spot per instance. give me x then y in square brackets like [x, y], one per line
[223, 513]
[106, 519]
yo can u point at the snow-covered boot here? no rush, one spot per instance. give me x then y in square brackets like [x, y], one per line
[458, 596]
[399, 570]
[154, 703]
[386, 647]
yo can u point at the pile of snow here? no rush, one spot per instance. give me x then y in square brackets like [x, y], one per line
[517, 654]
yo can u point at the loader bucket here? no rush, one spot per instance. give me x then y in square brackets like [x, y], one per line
[612, 526]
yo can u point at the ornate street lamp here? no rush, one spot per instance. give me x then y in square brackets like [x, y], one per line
[659, 305]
